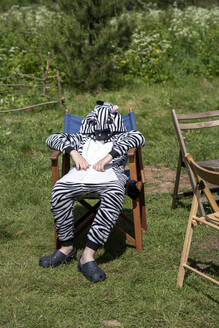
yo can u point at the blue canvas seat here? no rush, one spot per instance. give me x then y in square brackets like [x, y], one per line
[135, 171]
[72, 123]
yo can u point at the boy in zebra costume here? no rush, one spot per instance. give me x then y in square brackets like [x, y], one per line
[99, 152]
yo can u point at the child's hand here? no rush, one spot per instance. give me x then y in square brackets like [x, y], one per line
[80, 161]
[99, 166]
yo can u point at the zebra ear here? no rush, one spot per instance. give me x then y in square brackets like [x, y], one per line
[100, 102]
[115, 109]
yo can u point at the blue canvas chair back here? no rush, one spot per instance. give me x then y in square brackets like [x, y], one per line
[72, 123]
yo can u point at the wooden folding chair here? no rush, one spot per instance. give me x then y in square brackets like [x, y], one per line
[192, 122]
[202, 177]
[72, 124]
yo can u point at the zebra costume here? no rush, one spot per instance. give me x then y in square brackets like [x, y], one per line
[102, 132]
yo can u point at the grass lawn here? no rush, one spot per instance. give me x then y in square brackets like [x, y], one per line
[140, 289]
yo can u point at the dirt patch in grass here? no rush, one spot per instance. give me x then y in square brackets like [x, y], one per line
[213, 243]
[163, 179]
[207, 253]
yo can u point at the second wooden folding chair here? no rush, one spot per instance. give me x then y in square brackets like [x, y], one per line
[191, 121]
[202, 177]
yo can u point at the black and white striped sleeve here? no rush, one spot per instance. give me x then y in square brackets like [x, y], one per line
[64, 142]
[128, 140]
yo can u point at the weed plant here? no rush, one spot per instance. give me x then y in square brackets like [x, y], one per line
[140, 289]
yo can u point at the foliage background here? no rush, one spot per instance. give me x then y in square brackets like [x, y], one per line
[147, 42]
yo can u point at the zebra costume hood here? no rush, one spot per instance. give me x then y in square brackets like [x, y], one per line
[103, 122]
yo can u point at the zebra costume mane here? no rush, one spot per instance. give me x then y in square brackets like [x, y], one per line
[103, 122]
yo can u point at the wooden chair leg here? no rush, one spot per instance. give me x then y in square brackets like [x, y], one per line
[193, 183]
[57, 242]
[185, 254]
[188, 239]
[177, 180]
[137, 225]
[136, 208]
[141, 179]
[143, 210]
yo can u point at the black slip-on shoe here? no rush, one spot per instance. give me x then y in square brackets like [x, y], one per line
[91, 271]
[57, 258]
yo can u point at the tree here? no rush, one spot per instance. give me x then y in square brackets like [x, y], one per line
[86, 38]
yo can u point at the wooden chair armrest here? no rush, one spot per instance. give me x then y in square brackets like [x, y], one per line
[132, 152]
[136, 165]
[55, 155]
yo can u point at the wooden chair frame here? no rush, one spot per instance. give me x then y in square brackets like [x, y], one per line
[212, 220]
[138, 206]
[182, 162]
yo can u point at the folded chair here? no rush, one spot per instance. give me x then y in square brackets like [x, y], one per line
[192, 121]
[72, 124]
[202, 177]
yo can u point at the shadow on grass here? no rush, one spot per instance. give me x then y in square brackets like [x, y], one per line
[183, 205]
[197, 289]
[208, 268]
[203, 293]
[116, 243]
[187, 206]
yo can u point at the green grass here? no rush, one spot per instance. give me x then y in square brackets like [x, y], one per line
[140, 290]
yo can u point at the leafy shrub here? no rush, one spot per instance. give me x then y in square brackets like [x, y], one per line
[173, 43]
[21, 36]
[146, 56]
